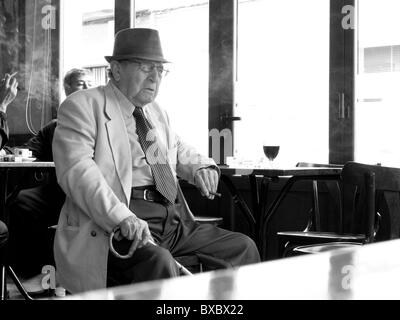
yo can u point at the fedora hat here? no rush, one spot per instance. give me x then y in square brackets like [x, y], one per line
[139, 43]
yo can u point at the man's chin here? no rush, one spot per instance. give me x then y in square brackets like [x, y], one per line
[148, 99]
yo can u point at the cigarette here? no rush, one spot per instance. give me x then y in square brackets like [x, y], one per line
[12, 75]
[215, 194]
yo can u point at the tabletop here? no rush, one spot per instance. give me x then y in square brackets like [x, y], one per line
[280, 172]
[34, 164]
[366, 272]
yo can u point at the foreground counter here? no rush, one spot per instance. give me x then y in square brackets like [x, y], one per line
[368, 272]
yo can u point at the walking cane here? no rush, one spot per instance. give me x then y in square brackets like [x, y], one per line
[127, 256]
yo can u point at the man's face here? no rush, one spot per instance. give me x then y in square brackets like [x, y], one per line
[81, 82]
[139, 80]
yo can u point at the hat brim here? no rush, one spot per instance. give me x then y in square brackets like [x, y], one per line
[130, 56]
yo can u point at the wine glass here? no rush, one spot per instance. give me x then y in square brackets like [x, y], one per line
[270, 151]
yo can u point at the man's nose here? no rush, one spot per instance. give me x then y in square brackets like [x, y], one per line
[154, 75]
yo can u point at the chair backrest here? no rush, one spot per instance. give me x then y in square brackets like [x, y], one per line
[334, 192]
[368, 190]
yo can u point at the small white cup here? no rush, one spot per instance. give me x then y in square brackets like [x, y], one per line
[22, 152]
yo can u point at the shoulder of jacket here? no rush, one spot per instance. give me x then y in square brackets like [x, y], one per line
[92, 93]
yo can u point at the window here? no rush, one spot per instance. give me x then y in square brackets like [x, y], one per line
[282, 83]
[87, 36]
[29, 45]
[183, 28]
[377, 83]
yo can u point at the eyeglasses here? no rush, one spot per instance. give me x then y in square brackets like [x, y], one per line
[148, 67]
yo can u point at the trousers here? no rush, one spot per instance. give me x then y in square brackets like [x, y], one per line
[223, 248]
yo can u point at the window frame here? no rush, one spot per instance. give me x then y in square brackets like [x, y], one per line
[223, 51]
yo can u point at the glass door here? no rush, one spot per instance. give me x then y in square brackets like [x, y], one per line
[377, 82]
[282, 82]
[184, 33]
[87, 36]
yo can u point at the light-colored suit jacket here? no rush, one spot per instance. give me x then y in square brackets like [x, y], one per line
[94, 168]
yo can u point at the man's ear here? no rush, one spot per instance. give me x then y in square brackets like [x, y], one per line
[67, 89]
[115, 69]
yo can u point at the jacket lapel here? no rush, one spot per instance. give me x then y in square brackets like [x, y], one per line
[119, 142]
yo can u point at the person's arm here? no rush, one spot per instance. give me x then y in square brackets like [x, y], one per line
[8, 92]
[4, 131]
[197, 169]
[77, 173]
[40, 144]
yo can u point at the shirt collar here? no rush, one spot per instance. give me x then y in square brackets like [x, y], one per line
[127, 106]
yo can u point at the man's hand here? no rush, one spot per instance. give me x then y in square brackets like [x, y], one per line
[8, 91]
[133, 228]
[206, 180]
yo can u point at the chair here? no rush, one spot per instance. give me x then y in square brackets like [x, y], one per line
[288, 239]
[3, 241]
[192, 261]
[200, 219]
[6, 269]
[216, 221]
[370, 197]
[314, 220]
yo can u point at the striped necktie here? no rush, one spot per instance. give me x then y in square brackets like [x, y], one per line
[162, 173]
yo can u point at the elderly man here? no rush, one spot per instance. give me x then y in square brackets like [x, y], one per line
[117, 159]
[36, 209]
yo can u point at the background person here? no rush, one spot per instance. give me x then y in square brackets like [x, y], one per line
[8, 92]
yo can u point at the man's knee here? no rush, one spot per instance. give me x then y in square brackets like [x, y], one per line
[248, 248]
[162, 258]
[158, 263]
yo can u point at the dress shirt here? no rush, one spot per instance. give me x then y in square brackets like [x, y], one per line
[141, 171]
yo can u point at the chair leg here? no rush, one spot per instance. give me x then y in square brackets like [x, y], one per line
[3, 283]
[19, 285]
[317, 216]
[286, 248]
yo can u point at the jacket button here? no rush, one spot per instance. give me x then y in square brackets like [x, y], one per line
[93, 233]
